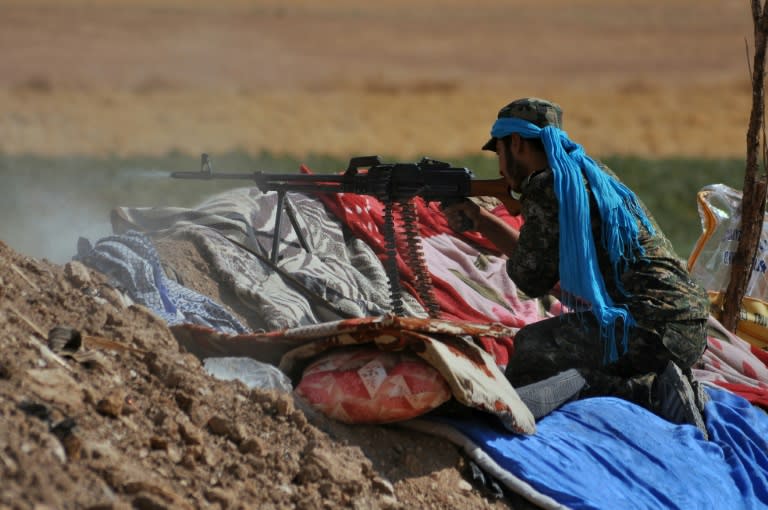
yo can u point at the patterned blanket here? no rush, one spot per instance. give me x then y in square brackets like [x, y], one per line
[133, 265]
[451, 347]
[467, 272]
[234, 230]
[734, 364]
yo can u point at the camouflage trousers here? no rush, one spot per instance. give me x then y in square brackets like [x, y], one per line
[551, 346]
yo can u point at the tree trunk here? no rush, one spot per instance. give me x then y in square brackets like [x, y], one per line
[753, 201]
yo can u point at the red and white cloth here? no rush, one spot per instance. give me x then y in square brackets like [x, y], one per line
[468, 273]
[450, 347]
[732, 363]
[368, 385]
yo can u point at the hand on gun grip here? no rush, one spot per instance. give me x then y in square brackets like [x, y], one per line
[460, 214]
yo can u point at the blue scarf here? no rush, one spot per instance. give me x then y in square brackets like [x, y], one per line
[619, 209]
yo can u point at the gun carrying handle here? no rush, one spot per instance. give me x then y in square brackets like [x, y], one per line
[362, 162]
[498, 188]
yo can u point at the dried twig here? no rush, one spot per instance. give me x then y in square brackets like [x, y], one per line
[28, 322]
[19, 272]
[106, 343]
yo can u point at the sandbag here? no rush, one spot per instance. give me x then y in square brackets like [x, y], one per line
[371, 386]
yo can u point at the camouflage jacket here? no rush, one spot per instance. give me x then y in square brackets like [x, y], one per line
[658, 286]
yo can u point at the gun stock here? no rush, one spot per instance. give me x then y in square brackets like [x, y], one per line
[497, 188]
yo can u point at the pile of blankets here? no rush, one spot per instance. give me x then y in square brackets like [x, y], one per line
[591, 453]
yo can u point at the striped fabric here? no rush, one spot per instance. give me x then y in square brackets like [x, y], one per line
[345, 272]
[133, 265]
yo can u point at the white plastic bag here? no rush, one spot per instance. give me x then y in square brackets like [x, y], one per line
[250, 372]
[711, 261]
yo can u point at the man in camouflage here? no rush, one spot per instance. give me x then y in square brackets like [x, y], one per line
[667, 310]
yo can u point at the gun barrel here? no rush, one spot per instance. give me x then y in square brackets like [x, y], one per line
[259, 177]
[202, 175]
[297, 178]
[299, 183]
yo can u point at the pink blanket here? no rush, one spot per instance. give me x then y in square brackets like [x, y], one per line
[467, 271]
[734, 364]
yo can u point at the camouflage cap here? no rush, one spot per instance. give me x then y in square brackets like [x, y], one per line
[538, 111]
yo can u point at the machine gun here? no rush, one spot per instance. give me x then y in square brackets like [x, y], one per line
[395, 185]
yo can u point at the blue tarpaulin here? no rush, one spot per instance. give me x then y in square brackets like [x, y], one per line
[606, 453]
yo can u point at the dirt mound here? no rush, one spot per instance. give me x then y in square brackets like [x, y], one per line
[119, 417]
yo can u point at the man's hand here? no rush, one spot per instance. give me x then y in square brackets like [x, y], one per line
[464, 215]
[467, 215]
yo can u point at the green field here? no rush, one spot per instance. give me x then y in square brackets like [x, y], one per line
[46, 204]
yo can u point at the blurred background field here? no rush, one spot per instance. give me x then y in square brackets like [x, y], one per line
[101, 99]
[68, 197]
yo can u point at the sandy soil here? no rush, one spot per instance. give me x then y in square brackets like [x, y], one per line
[655, 78]
[127, 420]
